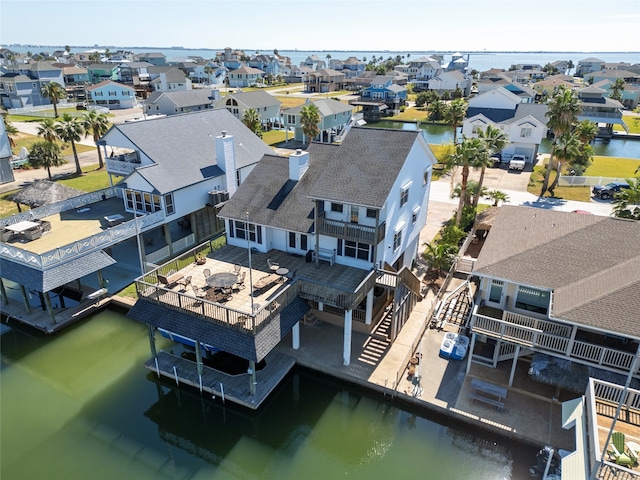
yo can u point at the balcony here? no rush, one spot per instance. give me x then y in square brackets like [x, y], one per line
[123, 164]
[350, 231]
[548, 337]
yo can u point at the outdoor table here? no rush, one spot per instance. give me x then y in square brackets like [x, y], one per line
[22, 226]
[113, 219]
[222, 280]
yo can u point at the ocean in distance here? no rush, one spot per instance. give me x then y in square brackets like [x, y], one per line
[480, 61]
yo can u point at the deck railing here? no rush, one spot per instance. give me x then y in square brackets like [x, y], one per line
[350, 231]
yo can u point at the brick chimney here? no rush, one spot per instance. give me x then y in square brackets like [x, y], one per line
[226, 160]
[298, 164]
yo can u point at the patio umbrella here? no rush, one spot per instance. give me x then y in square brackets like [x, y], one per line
[43, 192]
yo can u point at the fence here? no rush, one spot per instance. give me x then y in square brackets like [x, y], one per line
[46, 111]
[579, 181]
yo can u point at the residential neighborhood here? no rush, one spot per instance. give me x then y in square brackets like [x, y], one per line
[409, 225]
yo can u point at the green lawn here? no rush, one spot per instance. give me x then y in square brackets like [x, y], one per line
[30, 118]
[26, 140]
[410, 114]
[273, 137]
[632, 122]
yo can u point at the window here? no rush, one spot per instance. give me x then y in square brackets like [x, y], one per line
[292, 240]
[97, 94]
[397, 240]
[242, 229]
[337, 207]
[425, 176]
[303, 242]
[414, 215]
[357, 250]
[404, 196]
[129, 199]
[354, 213]
[533, 300]
[525, 132]
[168, 204]
[112, 93]
[291, 119]
[495, 293]
[371, 213]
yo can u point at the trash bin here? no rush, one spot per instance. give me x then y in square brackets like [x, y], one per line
[309, 256]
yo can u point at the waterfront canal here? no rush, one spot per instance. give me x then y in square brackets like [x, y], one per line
[79, 405]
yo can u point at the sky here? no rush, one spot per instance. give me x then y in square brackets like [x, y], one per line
[361, 25]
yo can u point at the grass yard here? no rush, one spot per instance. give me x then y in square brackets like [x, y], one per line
[289, 102]
[26, 140]
[632, 122]
[29, 118]
[273, 137]
[410, 114]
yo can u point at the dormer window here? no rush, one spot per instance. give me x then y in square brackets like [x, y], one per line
[525, 132]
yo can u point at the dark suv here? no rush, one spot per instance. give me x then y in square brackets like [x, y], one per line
[609, 190]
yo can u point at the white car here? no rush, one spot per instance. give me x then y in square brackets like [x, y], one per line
[517, 162]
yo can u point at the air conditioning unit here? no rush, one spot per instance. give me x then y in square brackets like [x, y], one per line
[217, 197]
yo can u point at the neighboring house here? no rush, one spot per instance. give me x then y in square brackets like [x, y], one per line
[20, 91]
[111, 95]
[458, 62]
[40, 71]
[351, 67]
[231, 59]
[324, 80]
[335, 116]
[600, 109]
[209, 72]
[551, 302]
[154, 58]
[100, 72]
[561, 65]
[630, 93]
[589, 65]
[382, 96]
[74, 75]
[245, 77]
[266, 63]
[134, 73]
[266, 105]
[168, 79]
[503, 80]
[6, 170]
[314, 62]
[450, 81]
[172, 103]
[630, 78]
[420, 70]
[524, 123]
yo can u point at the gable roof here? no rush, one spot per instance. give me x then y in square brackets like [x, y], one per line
[326, 106]
[255, 99]
[186, 98]
[105, 83]
[244, 70]
[591, 263]
[183, 147]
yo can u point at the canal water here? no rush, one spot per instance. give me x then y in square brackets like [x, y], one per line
[80, 405]
[440, 134]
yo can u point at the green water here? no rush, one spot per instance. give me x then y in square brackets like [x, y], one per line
[80, 405]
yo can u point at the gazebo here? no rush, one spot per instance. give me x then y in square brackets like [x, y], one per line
[43, 192]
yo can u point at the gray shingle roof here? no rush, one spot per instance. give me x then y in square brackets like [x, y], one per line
[183, 148]
[327, 106]
[591, 263]
[182, 99]
[255, 99]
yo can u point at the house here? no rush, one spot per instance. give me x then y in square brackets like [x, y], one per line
[314, 62]
[580, 307]
[600, 109]
[382, 96]
[524, 123]
[266, 63]
[172, 103]
[351, 67]
[420, 70]
[74, 75]
[266, 105]
[168, 79]
[458, 62]
[245, 77]
[6, 170]
[450, 81]
[40, 71]
[231, 59]
[134, 73]
[100, 72]
[111, 95]
[324, 80]
[154, 58]
[589, 65]
[335, 116]
[20, 87]
[209, 72]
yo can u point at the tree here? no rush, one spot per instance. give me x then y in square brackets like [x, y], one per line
[71, 130]
[47, 130]
[567, 148]
[616, 89]
[94, 57]
[11, 130]
[626, 203]
[570, 66]
[561, 115]
[275, 52]
[208, 70]
[251, 119]
[67, 48]
[454, 115]
[46, 154]
[468, 152]
[96, 124]
[496, 196]
[436, 110]
[54, 92]
[495, 140]
[439, 255]
[310, 118]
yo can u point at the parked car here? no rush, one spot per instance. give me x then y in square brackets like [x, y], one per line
[517, 162]
[609, 190]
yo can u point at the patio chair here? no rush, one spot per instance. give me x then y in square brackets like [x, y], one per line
[206, 272]
[616, 450]
[273, 266]
[240, 281]
[236, 268]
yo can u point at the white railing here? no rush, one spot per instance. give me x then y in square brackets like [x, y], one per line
[177, 246]
[579, 181]
[601, 355]
[63, 206]
[99, 241]
[504, 330]
[120, 167]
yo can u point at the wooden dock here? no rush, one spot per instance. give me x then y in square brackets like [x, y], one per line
[233, 388]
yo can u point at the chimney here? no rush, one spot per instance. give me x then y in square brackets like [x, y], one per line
[226, 160]
[298, 164]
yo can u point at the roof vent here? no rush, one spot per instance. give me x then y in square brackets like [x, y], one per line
[224, 133]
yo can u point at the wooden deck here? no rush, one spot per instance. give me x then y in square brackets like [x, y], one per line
[628, 423]
[236, 387]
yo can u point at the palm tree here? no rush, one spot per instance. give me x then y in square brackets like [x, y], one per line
[626, 198]
[563, 111]
[467, 153]
[439, 255]
[309, 119]
[11, 130]
[497, 196]
[436, 110]
[94, 57]
[96, 124]
[46, 154]
[54, 92]
[47, 130]
[495, 140]
[251, 119]
[570, 66]
[454, 115]
[71, 130]
[616, 89]
[567, 148]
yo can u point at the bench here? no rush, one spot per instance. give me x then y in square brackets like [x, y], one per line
[488, 393]
[326, 255]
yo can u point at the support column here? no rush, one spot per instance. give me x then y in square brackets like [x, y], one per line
[25, 299]
[252, 377]
[320, 306]
[346, 352]
[152, 340]
[470, 352]
[3, 292]
[513, 365]
[198, 357]
[47, 301]
[295, 334]
[167, 237]
[100, 279]
[315, 223]
[368, 315]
